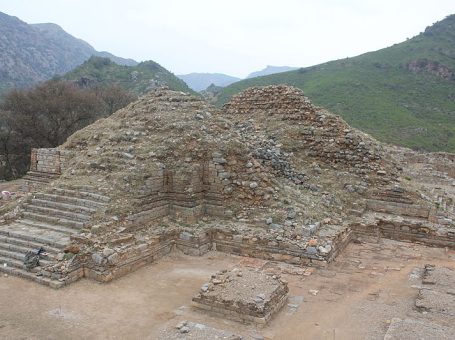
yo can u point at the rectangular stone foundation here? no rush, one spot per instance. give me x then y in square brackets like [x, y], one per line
[244, 295]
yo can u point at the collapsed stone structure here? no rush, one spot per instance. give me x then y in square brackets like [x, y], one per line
[268, 176]
[317, 133]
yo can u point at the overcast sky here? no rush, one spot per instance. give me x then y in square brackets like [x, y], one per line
[235, 37]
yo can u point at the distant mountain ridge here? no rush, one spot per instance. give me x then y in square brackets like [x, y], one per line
[37, 52]
[271, 70]
[201, 81]
[403, 94]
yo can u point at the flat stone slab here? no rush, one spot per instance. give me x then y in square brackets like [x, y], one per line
[243, 294]
[410, 329]
[437, 294]
[440, 277]
[436, 302]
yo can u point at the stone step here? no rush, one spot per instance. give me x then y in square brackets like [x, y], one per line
[48, 226]
[63, 206]
[31, 276]
[68, 215]
[5, 245]
[37, 180]
[53, 220]
[69, 200]
[35, 234]
[81, 194]
[19, 257]
[33, 173]
[64, 230]
[14, 260]
[17, 244]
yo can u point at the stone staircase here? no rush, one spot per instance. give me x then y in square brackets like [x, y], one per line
[34, 180]
[48, 220]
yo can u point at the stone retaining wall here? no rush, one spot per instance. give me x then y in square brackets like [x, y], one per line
[49, 160]
[183, 193]
[106, 267]
[407, 230]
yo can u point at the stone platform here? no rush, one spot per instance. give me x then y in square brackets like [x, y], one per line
[245, 295]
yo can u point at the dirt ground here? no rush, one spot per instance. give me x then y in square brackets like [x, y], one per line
[354, 298]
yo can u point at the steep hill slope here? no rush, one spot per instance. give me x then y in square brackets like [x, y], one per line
[55, 32]
[33, 53]
[403, 94]
[200, 81]
[137, 79]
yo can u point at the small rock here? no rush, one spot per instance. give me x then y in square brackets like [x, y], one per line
[182, 324]
[113, 259]
[108, 252]
[253, 185]
[184, 329]
[311, 251]
[97, 258]
[313, 292]
[291, 214]
[72, 248]
[269, 221]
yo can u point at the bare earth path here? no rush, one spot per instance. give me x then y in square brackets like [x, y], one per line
[357, 296]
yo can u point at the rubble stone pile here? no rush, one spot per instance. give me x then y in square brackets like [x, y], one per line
[322, 134]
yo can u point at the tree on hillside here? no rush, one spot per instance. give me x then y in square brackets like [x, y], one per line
[46, 115]
[114, 97]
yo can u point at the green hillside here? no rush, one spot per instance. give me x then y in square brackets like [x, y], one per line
[137, 79]
[403, 94]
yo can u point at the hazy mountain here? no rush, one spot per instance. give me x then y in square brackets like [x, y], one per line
[271, 70]
[98, 71]
[33, 53]
[200, 81]
[403, 94]
[55, 32]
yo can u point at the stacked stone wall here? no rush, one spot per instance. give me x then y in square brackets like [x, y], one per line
[49, 160]
[182, 193]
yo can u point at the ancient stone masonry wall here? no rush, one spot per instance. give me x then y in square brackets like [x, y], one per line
[123, 254]
[324, 135]
[52, 160]
[182, 193]
[408, 230]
